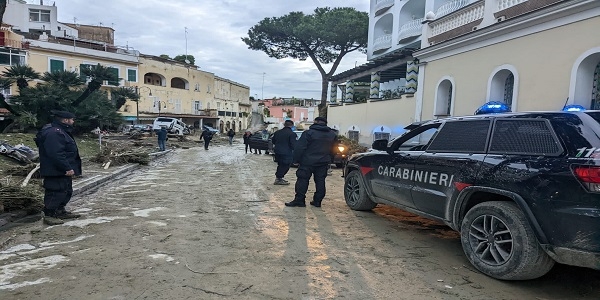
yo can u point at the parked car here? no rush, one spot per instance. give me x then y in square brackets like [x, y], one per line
[523, 189]
[137, 127]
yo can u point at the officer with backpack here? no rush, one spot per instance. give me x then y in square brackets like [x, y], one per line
[207, 136]
[59, 162]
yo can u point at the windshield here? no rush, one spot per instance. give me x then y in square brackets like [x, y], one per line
[164, 120]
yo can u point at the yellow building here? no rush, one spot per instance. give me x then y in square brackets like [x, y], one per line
[232, 101]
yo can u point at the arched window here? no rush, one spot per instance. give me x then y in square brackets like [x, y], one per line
[509, 85]
[596, 88]
[444, 97]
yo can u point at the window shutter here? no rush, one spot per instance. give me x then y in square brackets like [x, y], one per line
[56, 65]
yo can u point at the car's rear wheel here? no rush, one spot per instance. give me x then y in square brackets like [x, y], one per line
[498, 240]
[355, 192]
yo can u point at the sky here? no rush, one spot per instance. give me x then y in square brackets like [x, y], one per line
[214, 32]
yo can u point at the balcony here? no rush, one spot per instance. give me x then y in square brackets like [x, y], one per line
[382, 5]
[10, 43]
[382, 42]
[450, 7]
[410, 30]
[206, 112]
[504, 4]
[457, 23]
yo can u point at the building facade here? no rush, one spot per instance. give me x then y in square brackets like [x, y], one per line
[452, 56]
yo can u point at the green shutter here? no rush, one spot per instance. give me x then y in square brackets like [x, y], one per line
[56, 65]
[116, 72]
[132, 75]
[81, 67]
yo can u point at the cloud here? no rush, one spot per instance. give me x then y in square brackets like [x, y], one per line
[214, 32]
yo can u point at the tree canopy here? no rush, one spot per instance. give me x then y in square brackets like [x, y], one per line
[183, 57]
[325, 37]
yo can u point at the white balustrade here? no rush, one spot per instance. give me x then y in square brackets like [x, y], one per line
[504, 4]
[465, 16]
[410, 29]
[382, 42]
[451, 6]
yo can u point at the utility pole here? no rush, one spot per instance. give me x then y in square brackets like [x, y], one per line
[186, 55]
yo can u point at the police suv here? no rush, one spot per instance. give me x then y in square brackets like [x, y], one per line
[523, 189]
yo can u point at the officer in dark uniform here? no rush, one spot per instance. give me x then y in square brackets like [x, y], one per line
[284, 141]
[313, 152]
[59, 162]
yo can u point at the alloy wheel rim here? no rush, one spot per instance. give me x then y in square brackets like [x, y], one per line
[352, 190]
[491, 240]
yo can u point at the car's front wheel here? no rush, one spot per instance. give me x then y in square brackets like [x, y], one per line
[355, 192]
[498, 240]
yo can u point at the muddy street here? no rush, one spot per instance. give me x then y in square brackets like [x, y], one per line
[210, 225]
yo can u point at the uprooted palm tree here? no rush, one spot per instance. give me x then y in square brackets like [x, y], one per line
[96, 75]
[22, 74]
[66, 79]
[122, 94]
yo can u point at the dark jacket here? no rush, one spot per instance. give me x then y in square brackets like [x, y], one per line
[246, 138]
[58, 150]
[284, 141]
[230, 133]
[206, 135]
[162, 134]
[315, 146]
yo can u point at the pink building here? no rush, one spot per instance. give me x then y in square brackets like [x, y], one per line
[282, 112]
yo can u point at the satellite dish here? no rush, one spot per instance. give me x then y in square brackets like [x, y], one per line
[187, 61]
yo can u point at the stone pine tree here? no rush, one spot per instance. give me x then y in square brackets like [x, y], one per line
[325, 37]
[2, 9]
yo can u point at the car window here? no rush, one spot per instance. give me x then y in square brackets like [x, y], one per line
[524, 136]
[416, 139]
[465, 136]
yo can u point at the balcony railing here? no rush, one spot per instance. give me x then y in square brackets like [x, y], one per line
[458, 19]
[382, 42]
[451, 6]
[410, 29]
[381, 5]
[6, 42]
[206, 112]
[504, 4]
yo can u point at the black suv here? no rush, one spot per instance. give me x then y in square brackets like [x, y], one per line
[523, 189]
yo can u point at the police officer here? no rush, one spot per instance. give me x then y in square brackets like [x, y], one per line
[59, 162]
[207, 136]
[313, 152]
[284, 141]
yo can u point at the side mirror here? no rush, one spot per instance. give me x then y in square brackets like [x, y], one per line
[380, 145]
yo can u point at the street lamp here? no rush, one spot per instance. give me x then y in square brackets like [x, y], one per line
[164, 104]
[137, 106]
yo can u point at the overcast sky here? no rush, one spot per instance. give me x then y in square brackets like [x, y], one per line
[215, 29]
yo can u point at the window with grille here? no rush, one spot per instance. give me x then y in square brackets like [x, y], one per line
[524, 136]
[381, 136]
[509, 85]
[353, 135]
[596, 88]
[461, 137]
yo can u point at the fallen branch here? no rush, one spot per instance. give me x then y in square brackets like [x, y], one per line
[165, 238]
[26, 181]
[197, 272]
[257, 201]
[206, 291]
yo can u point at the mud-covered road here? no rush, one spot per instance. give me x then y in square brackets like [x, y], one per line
[210, 225]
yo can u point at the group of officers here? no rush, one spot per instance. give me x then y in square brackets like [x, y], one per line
[313, 152]
[60, 161]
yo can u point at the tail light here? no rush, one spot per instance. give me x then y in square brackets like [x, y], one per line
[589, 176]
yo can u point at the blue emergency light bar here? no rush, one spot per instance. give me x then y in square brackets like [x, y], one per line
[493, 107]
[573, 107]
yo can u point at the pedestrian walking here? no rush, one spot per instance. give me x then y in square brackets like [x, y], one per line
[284, 141]
[207, 136]
[162, 138]
[59, 162]
[230, 135]
[313, 153]
[246, 138]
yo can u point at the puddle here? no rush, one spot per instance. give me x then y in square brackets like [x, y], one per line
[11, 271]
[157, 223]
[162, 256]
[18, 248]
[81, 238]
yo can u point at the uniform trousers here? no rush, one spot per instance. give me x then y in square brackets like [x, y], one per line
[303, 175]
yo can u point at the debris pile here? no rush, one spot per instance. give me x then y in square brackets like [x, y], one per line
[353, 146]
[22, 170]
[15, 197]
[108, 154]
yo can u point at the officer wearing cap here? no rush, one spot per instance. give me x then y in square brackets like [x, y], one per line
[59, 162]
[313, 153]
